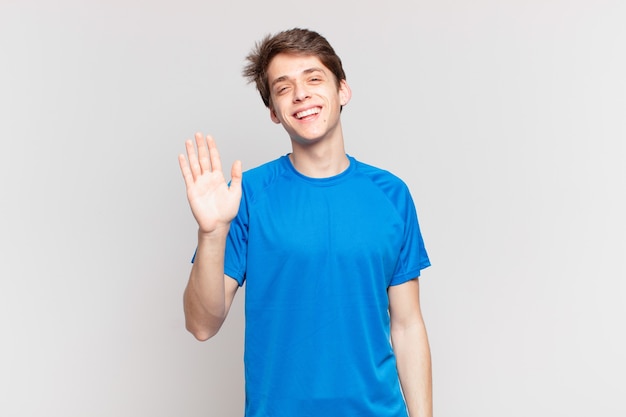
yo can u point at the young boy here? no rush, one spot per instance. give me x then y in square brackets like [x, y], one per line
[329, 248]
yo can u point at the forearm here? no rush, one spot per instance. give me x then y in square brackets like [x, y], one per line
[204, 297]
[414, 368]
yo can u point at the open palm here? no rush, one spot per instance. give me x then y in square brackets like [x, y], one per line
[213, 202]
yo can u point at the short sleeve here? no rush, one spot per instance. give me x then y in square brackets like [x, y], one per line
[235, 258]
[413, 256]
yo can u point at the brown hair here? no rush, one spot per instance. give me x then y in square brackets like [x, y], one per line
[292, 41]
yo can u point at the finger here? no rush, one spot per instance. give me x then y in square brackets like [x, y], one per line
[203, 153]
[184, 169]
[216, 163]
[194, 166]
[236, 176]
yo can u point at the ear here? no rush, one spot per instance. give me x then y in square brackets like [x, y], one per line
[345, 93]
[273, 115]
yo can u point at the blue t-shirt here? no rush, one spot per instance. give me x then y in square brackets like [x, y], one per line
[317, 256]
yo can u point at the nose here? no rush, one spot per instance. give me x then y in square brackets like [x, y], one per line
[300, 92]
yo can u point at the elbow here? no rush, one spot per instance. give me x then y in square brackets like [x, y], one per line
[202, 333]
[202, 336]
[201, 324]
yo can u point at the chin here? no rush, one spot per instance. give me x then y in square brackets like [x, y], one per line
[304, 140]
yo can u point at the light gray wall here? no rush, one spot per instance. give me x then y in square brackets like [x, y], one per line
[506, 118]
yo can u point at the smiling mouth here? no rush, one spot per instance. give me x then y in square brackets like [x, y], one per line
[302, 114]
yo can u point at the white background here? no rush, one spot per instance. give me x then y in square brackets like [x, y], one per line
[507, 119]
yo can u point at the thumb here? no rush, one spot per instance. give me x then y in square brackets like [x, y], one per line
[236, 175]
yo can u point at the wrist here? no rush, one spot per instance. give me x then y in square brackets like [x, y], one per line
[219, 233]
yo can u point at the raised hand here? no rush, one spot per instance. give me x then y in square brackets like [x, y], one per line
[213, 203]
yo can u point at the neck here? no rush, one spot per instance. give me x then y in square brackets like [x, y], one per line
[320, 160]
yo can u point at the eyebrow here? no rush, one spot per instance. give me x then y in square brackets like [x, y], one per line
[306, 71]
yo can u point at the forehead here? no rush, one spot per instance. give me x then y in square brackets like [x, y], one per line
[291, 66]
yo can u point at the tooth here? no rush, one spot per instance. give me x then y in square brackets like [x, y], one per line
[305, 113]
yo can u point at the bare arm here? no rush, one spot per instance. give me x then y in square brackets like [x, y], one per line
[410, 343]
[209, 293]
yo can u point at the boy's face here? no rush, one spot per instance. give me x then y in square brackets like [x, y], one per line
[304, 97]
